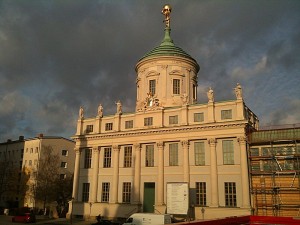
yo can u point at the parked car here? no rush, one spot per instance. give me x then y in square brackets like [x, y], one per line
[24, 218]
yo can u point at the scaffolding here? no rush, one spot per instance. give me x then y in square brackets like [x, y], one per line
[274, 165]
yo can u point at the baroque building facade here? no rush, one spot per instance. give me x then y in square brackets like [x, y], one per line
[125, 162]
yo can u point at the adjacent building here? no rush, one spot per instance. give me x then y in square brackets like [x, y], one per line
[126, 162]
[274, 158]
[21, 159]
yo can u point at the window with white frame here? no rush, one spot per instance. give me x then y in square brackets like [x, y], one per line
[176, 86]
[64, 152]
[226, 114]
[198, 117]
[230, 194]
[108, 126]
[173, 154]
[63, 164]
[105, 192]
[85, 192]
[199, 150]
[228, 152]
[201, 193]
[149, 156]
[87, 158]
[127, 156]
[152, 86]
[173, 120]
[148, 121]
[126, 192]
[107, 157]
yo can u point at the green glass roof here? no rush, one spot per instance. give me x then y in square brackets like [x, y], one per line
[167, 48]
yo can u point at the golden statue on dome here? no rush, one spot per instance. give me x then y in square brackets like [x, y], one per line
[167, 11]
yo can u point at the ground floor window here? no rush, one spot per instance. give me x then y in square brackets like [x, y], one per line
[105, 192]
[230, 194]
[85, 192]
[201, 193]
[126, 192]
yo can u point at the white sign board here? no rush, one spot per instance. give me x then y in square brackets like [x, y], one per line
[177, 198]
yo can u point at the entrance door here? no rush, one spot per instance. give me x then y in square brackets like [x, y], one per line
[149, 197]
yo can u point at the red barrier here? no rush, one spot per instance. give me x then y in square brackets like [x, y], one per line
[242, 220]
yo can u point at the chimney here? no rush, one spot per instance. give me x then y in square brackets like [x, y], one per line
[41, 135]
[21, 138]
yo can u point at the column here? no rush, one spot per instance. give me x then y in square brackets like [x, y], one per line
[244, 172]
[95, 161]
[240, 109]
[160, 182]
[213, 173]
[186, 164]
[76, 174]
[115, 184]
[137, 174]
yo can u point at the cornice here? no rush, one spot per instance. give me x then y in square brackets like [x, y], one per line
[160, 130]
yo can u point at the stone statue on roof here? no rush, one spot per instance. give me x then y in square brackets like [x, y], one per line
[81, 112]
[238, 91]
[100, 111]
[119, 107]
[210, 95]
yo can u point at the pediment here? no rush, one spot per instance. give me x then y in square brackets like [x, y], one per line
[176, 72]
[152, 73]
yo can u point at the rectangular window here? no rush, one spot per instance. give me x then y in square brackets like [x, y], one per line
[126, 192]
[63, 165]
[228, 152]
[152, 84]
[36, 149]
[194, 92]
[85, 192]
[148, 121]
[127, 156]
[176, 86]
[30, 163]
[64, 152]
[230, 194]
[107, 158]
[198, 117]
[226, 114]
[87, 158]
[201, 193]
[89, 128]
[128, 124]
[105, 192]
[149, 155]
[173, 154]
[173, 120]
[108, 126]
[62, 176]
[199, 150]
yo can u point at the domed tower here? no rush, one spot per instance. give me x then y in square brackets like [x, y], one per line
[167, 75]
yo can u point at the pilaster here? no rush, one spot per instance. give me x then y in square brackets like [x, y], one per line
[95, 161]
[186, 166]
[213, 173]
[76, 174]
[244, 172]
[115, 184]
[160, 181]
[137, 174]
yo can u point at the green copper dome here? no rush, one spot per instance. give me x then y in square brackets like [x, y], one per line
[167, 48]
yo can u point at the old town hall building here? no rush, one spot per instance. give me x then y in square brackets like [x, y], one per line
[135, 162]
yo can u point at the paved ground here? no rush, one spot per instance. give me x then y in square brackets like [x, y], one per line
[6, 220]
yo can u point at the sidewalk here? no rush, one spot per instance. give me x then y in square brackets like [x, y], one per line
[62, 221]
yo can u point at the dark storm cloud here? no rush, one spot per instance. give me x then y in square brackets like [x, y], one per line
[58, 55]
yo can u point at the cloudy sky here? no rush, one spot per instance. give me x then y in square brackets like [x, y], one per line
[58, 55]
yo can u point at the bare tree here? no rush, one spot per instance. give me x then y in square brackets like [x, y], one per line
[46, 176]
